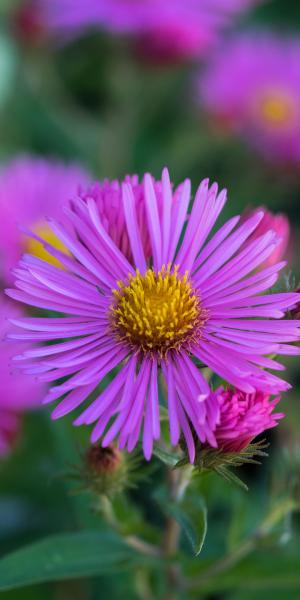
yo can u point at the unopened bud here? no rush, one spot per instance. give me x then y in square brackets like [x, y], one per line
[104, 461]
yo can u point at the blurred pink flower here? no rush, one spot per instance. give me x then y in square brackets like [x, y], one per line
[253, 87]
[243, 417]
[18, 392]
[165, 29]
[9, 429]
[278, 223]
[30, 190]
[27, 23]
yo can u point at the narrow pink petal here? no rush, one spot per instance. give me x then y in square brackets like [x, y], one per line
[167, 208]
[82, 254]
[210, 213]
[141, 387]
[148, 432]
[154, 401]
[187, 433]
[45, 351]
[242, 264]
[167, 369]
[96, 409]
[215, 241]
[243, 297]
[122, 262]
[227, 249]
[97, 370]
[153, 222]
[133, 228]
[178, 218]
[72, 401]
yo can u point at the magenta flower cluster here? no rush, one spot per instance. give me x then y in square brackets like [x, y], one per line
[148, 290]
[163, 28]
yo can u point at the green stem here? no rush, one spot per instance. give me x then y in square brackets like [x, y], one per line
[132, 540]
[178, 481]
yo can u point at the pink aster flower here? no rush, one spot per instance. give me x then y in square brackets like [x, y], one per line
[279, 223]
[18, 392]
[243, 417]
[31, 188]
[196, 296]
[265, 105]
[164, 28]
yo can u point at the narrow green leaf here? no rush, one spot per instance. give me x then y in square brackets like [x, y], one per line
[167, 458]
[191, 514]
[229, 476]
[71, 555]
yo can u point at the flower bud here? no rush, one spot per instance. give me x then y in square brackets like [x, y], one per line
[105, 471]
[103, 461]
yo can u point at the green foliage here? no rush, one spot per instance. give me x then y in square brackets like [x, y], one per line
[67, 556]
[191, 514]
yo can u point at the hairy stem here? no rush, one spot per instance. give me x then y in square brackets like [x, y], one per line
[132, 540]
[177, 483]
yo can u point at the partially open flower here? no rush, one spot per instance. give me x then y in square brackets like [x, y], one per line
[243, 417]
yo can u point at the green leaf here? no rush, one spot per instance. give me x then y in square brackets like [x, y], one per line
[280, 570]
[191, 514]
[166, 457]
[71, 555]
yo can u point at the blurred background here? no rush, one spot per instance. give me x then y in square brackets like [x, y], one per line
[113, 104]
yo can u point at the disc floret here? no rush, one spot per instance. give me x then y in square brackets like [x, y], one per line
[157, 312]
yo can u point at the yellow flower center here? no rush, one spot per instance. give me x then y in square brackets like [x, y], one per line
[37, 249]
[157, 312]
[277, 109]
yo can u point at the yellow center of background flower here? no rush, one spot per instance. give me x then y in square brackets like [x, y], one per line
[157, 312]
[277, 109]
[37, 249]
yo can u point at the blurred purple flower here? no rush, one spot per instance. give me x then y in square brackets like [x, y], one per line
[243, 417]
[18, 392]
[144, 313]
[30, 189]
[164, 29]
[252, 87]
